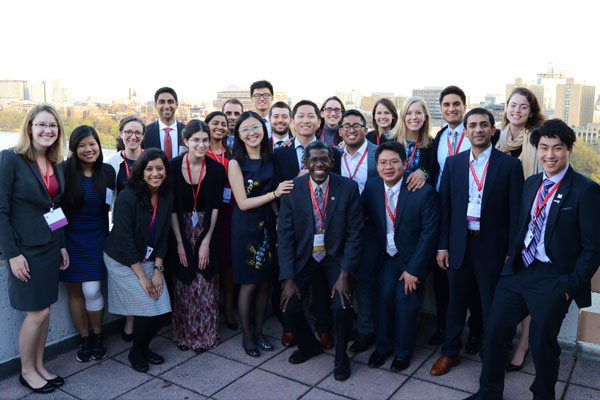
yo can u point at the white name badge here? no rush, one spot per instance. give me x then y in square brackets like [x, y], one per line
[474, 212]
[149, 251]
[194, 219]
[528, 238]
[319, 241]
[227, 195]
[391, 243]
[56, 219]
[109, 196]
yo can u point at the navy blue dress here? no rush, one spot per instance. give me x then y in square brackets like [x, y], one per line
[84, 238]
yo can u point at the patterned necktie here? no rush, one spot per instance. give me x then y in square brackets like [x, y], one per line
[167, 145]
[528, 253]
[319, 254]
[391, 249]
[302, 163]
[453, 141]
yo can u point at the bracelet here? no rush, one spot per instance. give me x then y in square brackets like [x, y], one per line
[274, 195]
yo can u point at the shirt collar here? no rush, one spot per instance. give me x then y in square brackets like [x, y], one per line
[485, 155]
[162, 125]
[298, 144]
[395, 188]
[322, 185]
[459, 130]
[558, 177]
[359, 152]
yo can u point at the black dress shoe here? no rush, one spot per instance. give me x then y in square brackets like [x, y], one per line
[473, 345]
[298, 357]
[47, 388]
[153, 358]
[437, 338]
[183, 347]
[377, 359]
[362, 343]
[199, 350]
[138, 363]
[341, 372]
[513, 368]
[399, 365]
[57, 382]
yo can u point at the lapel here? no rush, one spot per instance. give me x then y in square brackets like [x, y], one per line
[294, 157]
[402, 196]
[492, 172]
[371, 167]
[38, 176]
[380, 204]
[561, 194]
[462, 176]
[334, 198]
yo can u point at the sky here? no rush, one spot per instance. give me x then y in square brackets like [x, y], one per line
[306, 48]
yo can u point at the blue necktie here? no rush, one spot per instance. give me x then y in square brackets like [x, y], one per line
[528, 253]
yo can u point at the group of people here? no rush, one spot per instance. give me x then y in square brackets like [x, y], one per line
[305, 204]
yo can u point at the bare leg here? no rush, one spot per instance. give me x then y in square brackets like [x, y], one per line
[96, 318]
[39, 356]
[29, 343]
[78, 311]
[128, 328]
[260, 304]
[523, 345]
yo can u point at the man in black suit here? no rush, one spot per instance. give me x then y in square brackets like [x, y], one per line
[280, 118]
[479, 202]
[319, 228]
[551, 261]
[166, 133]
[407, 223]
[261, 93]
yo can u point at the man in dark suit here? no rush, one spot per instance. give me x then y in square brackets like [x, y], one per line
[551, 262]
[319, 228]
[407, 223]
[280, 118]
[232, 108]
[479, 202]
[261, 94]
[166, 133]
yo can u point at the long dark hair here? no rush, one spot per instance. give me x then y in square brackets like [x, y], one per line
[209, 118]
[72, 198]
[239, 149]
[136, 179]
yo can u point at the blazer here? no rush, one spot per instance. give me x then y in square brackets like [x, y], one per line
[129, 237]
[23, 203]
[499, 207]
[152, 136]
[285, 163]
[343, 225]
[571, 239]
[416, 227]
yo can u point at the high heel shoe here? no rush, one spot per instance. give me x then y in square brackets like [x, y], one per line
[513, 368]
[47, 388]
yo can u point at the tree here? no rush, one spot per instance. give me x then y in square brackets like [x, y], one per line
[586, 161]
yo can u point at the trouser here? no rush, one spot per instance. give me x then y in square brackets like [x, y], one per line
[366, 281]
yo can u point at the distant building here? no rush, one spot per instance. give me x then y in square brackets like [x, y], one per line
[597, 115]
[549, 79]
[431, 95]
[243, 95]
[575, 103]
[589, 134]
[12, 89]
[538, 90]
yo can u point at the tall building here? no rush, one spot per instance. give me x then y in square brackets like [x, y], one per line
[12, 89]
[37, 92]
[243, 95]
[538, 90]
[575, 103]
[549, 79]
[431, 95]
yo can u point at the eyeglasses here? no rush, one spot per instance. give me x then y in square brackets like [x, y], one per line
[196, 141]
[265, 96]
[44, 126]
[394, 163]
[356, 127]
[129, 133]
[316, 160]
[254, 129]
[330, 110]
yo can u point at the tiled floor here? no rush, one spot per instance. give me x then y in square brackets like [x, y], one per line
[226, 372]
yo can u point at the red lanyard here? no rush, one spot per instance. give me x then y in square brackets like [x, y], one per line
[412, 156]
[387, 206]
[377, 134]
[154, 215]
[314, 199]
[195, 194]
[46, 178]
[127, 165]
[538, 207]
[352, 175]
[221, 160]
[450, 151]
[479, 184]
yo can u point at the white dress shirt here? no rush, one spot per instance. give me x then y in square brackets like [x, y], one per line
[389, 224]
[300, 150]
[268, 124]
[351, 161]
[172, 134]
[442, 150]
[474, 193]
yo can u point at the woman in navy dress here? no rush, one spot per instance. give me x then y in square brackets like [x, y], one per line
[86, 202]
[252, 181]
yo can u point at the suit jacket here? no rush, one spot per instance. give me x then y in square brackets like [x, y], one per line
[343, 224]
[23, 203]
[416, 227]
[285, 163]
[152, 136]
[499, 207]
[571, 239]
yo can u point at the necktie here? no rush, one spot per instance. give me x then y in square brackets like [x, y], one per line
[453, 141]
[278, 144]
[528, 253]
[302, 163]
[391, 247]
[318, 255]
[168, 146]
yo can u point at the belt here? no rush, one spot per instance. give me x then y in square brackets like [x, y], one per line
[473, 233]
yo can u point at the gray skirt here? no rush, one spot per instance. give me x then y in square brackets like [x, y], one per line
[125, 294]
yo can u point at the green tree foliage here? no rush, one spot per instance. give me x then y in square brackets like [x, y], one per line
[586, 161]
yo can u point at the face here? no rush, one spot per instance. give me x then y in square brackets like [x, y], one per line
[262, 99]
[390, 166]
[453, 109]
[218, 127]
[166, 105]
[155, 173]
[132, 135]
[479, 131]
[415, 117]
[251, 132]
[233, 112]
[319, 164]
[518, 110]
[307, 121]
[88, 150]
[280, 120]
[332, 113]
[353, 131]
[383, 118]
[44, 130]
[553, 155]
[198, 143]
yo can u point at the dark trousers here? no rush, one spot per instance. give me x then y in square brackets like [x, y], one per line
[534, 290]
[397, 313]
[321, 303]
[475, 271]
[342, 318]
[366, 281]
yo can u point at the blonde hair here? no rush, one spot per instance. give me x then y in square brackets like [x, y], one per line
[399, 131]
[25, 147]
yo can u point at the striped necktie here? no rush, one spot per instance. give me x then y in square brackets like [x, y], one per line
[528, 253]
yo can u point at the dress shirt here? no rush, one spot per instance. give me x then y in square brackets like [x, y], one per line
[324, 189]
[540, 250]
[173, 134]
[352, 161]
[268, 126]
[479, 167]
[389, 224]
[300, 150]
[442, 150]
[275, 141]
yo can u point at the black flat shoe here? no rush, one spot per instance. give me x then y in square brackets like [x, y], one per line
[138, 364]
[183, 347]
[199, 350]
[47, 388]
[57, 382]
[153, 358]
[377, 359]
[513, 368]
[251, 351]
[399, 365]
[298, 358]
[128, 337]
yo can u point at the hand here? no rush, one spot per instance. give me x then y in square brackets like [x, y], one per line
[341, 145]
[289, 291]
[182, 255]
[342, 288]
[147, 286]
[287, 143]
[20, 268]
[567, 296]
[443, 259]
[157, 284]
[203, 254]
[410, 282]
[284, 188]
[303, 172]
[416, 180]
[64, 259]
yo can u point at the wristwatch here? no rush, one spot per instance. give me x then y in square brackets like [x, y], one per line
[160, 268]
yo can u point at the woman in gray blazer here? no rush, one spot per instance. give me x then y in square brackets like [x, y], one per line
[31, 238]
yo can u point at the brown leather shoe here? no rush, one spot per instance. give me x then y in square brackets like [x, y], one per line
[326, 340]
[443, 365]
[287, 339]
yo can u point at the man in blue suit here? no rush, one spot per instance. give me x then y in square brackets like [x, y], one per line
[406, 222]
[480, 195]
